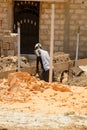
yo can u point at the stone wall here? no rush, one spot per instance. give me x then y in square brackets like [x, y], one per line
[45, 25]
[77, 14]
[69, 16]
[6, 14]
[8, 43]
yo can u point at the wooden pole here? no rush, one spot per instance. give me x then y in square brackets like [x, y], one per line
[77, 48]
[51, 43]
[18, 47]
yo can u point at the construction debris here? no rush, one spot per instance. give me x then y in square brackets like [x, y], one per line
[11, 63]
[19, 85]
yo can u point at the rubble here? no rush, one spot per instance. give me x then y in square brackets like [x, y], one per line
[27, 102]
[11, 63]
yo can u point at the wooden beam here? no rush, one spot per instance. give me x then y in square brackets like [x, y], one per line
[18, 47]
[51, 43]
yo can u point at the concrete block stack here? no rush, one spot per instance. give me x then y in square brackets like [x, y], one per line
[61, 62]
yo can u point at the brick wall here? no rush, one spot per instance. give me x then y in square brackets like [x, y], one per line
[45, 25]
[8, 44]
[78, 13]
[6, 13]
[69, 16]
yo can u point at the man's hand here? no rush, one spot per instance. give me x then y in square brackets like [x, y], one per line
[37, 75]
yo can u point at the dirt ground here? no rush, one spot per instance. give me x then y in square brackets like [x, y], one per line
[27, 103]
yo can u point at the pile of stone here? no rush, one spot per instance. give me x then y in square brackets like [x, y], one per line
[61, 57]
[11, 63]
[61, 62]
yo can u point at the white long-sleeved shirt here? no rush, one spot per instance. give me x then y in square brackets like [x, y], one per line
[45, 59]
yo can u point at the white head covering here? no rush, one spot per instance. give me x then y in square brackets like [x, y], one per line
[38, 45]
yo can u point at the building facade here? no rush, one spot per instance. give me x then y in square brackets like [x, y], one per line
[34, 17]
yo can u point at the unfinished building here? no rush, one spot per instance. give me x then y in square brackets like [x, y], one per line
[35, 26]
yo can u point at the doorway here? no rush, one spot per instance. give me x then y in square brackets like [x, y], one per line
[27, 14]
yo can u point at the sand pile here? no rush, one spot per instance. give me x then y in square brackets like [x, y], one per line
[19, 86]
[39, 96]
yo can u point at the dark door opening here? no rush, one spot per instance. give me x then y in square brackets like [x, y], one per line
[27, 14]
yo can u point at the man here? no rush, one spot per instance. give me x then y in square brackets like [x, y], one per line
[44, 60]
